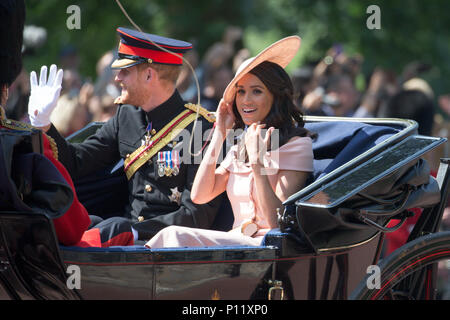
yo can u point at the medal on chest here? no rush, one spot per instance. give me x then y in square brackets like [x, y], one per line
[175, 196]
[148, 136]
[168, 163]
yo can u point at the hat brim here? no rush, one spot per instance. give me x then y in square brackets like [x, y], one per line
[280, 52]
[124, 63]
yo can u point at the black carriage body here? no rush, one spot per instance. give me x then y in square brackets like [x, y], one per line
[37, 269]
[300, 260]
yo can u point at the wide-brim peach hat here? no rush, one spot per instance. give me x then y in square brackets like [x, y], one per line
[280, 52]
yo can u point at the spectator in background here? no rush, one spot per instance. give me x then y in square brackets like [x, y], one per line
[69, 58]
[420, 85]
[413, 70]
[71, 83]
[16, 106]
[69, 115]
[186, 81]
[338, 97]
[412, 104]
[34, 37]
[341, 88]
[303, 82]
[382, 86]
[215, 86]
[217, 69]
[104, 84]
[415, 105]
[102, 108]
[97, 99]
[333, 90]
[240, 56]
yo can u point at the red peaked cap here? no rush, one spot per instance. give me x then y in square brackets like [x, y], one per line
[135, 47]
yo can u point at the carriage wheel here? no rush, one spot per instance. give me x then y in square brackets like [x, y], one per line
[408, 272]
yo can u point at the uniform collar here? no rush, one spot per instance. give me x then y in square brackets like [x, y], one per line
[166, 111]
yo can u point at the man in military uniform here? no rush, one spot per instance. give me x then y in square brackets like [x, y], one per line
[142, 133]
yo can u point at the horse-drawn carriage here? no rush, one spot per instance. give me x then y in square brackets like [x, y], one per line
[328, 244]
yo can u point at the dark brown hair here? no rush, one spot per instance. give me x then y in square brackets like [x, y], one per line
[169, 73]
[284, 115]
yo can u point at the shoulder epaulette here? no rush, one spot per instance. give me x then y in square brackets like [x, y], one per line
[158, 141]
[14, 124]
[208, 115]
[23, 126]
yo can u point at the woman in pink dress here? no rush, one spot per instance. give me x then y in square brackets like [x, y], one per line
[271, 161]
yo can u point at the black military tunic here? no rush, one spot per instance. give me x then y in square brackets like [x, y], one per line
[153, 203]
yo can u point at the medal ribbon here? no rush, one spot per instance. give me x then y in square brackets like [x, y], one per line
[176, 158]
[169, 159]
[160, 139]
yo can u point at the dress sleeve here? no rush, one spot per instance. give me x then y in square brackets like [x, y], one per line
[295, 155]
[228, 161]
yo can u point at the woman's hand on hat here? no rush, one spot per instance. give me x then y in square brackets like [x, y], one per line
[225, 117]
[257, 142]
[44, 95]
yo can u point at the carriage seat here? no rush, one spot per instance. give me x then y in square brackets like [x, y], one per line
[337, 142]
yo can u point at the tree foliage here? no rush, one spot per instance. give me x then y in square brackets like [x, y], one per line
[411, 30]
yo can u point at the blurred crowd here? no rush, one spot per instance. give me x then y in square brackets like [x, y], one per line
[333, 86]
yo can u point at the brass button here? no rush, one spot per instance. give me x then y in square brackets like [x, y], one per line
[148, 188]
[128, 155]
[140, 218]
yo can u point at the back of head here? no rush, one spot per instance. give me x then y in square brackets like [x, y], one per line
[12, 18]
[414, 105]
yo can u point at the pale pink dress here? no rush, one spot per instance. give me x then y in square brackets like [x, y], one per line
[296, 155]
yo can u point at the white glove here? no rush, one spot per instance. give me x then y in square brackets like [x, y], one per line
[44, 96]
